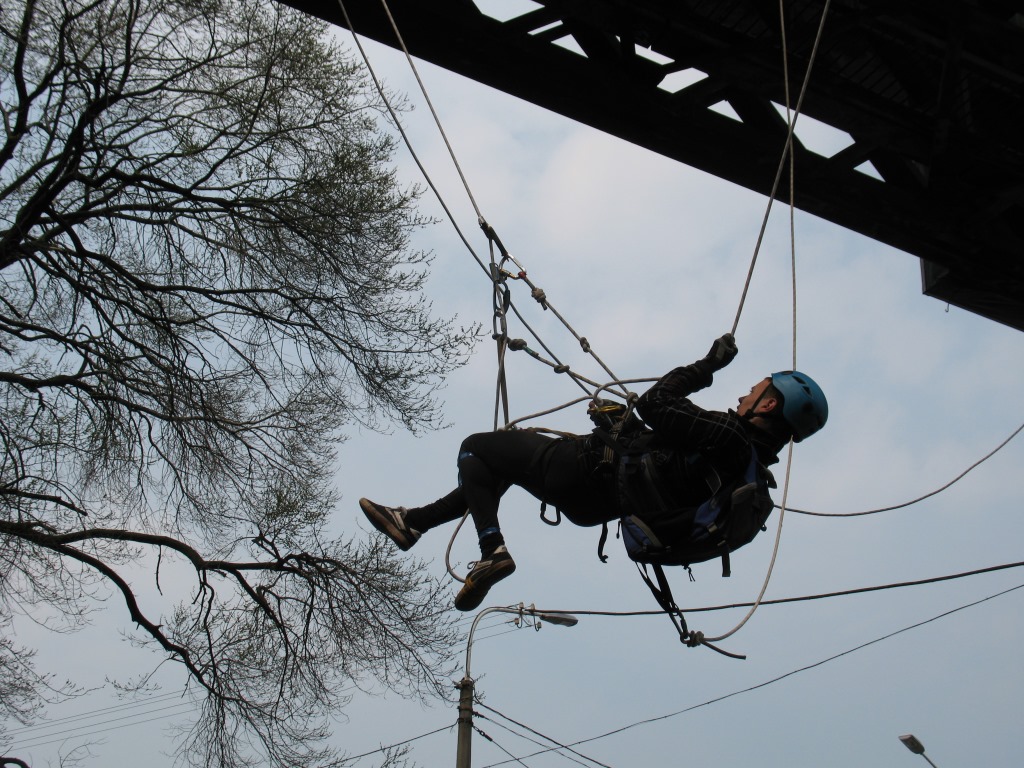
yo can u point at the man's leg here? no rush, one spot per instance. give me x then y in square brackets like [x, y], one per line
[489, 463]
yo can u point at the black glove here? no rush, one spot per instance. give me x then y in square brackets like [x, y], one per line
[722, 352]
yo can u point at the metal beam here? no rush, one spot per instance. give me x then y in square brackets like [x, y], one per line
[930, 92]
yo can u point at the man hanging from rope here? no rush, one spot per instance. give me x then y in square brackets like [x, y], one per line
[572, 473]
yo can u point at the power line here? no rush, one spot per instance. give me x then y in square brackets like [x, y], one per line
[495, 743]
[774, 680]
[803, 598]
[95, 713]
[538, 733]
[396, 744]
[20, 745]
[516, 733]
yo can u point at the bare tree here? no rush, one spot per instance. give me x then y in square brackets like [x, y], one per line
[205, 273]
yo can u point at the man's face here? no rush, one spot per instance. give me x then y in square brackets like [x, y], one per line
[748, 402]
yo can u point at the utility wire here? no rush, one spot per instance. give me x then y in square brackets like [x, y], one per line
[781, 600]
[32, 740]
[535, 742]
[774, 680]
[538, 733]
[396, 744]
[514, 759]
[31, 743]
[94, 713]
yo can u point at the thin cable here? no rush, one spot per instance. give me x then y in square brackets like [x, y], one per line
[538, 733]
[346, 760]
[501, 386]
[93, 714]
[959, 477]
[523, 736]
[31, 743]
[864, 590]
[491, 234]
[558, 365]
[513, 759]
[22, 743]
[784, 676]
[803, 598]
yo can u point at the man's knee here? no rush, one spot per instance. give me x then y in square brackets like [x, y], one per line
[474, 444]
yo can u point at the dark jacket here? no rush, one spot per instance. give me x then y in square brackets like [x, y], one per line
[683, 431]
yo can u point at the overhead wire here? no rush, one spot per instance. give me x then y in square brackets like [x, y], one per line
[779, 678]
[382, 749]
[92, 714]
[508, 729]
[34, 742]
[558, 744]
[42, 734]
[491, 739]
[798, 599]
[582, 612]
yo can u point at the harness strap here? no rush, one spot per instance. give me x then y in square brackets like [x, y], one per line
[543, 516]
[663, 594]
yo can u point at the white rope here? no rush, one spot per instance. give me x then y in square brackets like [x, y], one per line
[928, 495]
[787, 152]
[430, 105]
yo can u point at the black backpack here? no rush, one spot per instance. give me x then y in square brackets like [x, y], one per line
[657, 532]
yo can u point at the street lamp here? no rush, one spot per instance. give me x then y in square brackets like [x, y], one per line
[911, 742]
[465, 686]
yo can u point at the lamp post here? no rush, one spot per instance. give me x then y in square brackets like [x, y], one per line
[911, 742]
[464, 750]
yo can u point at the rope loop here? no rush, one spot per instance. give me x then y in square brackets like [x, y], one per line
[539, 295]
[516, 344]
[563, 368]
[584, 344]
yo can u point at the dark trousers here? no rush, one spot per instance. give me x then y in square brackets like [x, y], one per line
[555, 470]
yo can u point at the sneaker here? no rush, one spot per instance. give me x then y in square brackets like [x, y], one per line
[391, 522]
[484, 574]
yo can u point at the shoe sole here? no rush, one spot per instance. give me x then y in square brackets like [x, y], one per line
[383, 524]
[474, 591]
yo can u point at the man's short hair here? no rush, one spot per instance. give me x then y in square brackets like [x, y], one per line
[778, 426]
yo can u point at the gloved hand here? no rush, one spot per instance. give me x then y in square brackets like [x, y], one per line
[722, 352]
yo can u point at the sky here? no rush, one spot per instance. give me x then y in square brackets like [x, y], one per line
[647, 258]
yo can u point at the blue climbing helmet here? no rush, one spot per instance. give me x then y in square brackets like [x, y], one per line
[804, 407]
